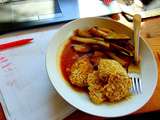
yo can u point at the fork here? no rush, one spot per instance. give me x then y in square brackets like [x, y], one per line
[136, 83]
[134, 69]
[134, 74]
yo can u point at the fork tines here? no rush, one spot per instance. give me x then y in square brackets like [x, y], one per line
[136, 85]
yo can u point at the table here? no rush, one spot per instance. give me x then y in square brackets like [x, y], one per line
[150, 32]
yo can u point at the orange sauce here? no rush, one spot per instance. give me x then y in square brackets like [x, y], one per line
[68, 57]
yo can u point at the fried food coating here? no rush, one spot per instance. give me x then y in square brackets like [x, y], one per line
[108, 67]
[111, 82]
[118, 82]
[118, 87]
[80, 70]
[95, 88]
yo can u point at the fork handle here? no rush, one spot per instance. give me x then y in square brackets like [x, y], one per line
[137, 26]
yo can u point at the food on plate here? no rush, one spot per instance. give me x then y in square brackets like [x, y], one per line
[109, 67]
[117, 47]
[120, 60]
[118, 87]
[118, 82]
[82, 33]
[80, 70]
[95, 88]
[81, 48]
[96, 60]
[108, 34]
[90, 41]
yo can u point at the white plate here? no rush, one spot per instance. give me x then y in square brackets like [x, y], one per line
[81, 100]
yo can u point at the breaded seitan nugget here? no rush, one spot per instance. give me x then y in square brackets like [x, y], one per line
[80, 70]
[118, 87]
[95, 88]
[110, 67]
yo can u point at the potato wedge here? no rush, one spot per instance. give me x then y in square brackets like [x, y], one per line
[118, 36]
[114, 46]
[108, 34]
[81, 48]
[90, 41]
[118, 59]
[104, 29]
[82, 33]
[98, 33]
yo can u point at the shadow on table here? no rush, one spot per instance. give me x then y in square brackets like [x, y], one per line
[83, 116]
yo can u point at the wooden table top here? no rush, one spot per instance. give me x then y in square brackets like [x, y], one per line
[150, 32]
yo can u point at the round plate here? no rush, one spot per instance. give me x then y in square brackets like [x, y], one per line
[81, 100]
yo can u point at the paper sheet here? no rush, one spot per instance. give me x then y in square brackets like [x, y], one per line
[26, 91]
[91, 8]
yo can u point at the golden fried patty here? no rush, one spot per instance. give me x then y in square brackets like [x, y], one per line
[80, 70]
[110, 67]
[118, 87]
[118, 82]
[95, 88]
[111, 82]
